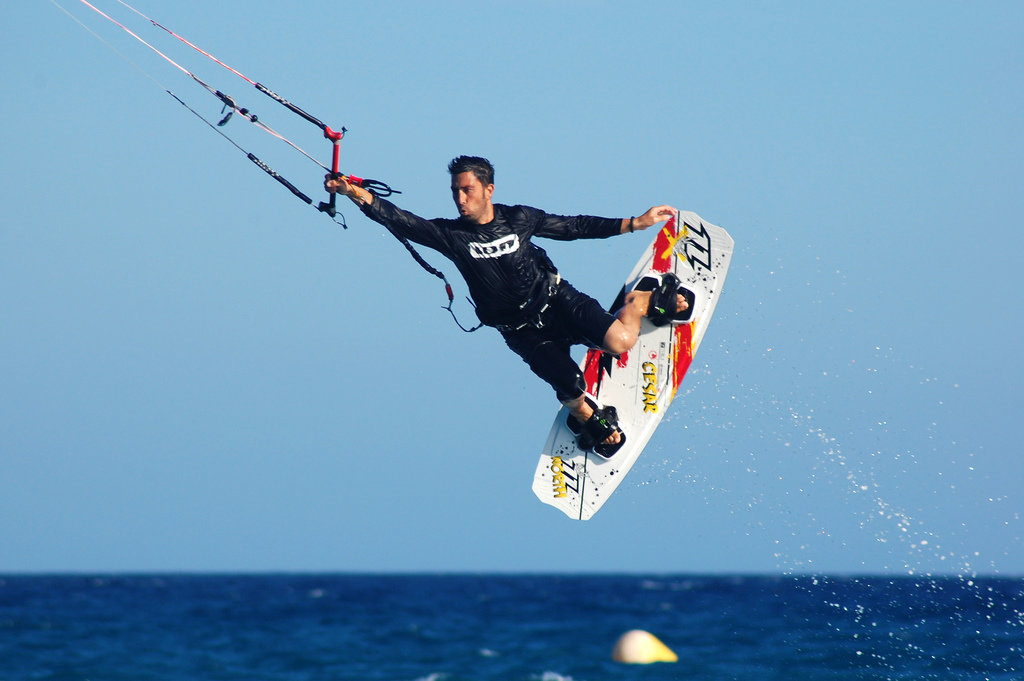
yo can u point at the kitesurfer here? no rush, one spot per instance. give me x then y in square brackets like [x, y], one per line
[517, 289]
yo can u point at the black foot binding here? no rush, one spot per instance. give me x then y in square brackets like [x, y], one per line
[592, 434]
[664, 289]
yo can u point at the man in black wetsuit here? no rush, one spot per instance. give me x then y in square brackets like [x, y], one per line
[517, 289]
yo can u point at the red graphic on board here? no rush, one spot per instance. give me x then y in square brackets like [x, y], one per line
[663, 246]
[683, 350]
[592, 370]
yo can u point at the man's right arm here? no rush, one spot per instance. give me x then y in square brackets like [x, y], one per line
[399, 221]
[337, 184]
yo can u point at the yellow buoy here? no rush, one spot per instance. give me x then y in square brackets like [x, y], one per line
[641, 647]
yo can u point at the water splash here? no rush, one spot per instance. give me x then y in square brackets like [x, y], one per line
[833, 460]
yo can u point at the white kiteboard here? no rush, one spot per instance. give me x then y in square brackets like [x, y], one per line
[641, 383]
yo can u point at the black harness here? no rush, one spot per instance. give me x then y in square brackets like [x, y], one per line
[531, 311]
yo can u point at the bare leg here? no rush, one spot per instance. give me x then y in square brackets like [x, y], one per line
[625, 330]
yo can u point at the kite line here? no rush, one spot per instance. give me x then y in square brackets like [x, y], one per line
[231, 107]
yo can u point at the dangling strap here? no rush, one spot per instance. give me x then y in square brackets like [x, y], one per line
[437, 273]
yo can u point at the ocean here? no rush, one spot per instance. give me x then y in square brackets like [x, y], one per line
[298, 627]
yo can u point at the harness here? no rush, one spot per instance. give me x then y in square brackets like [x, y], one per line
[531, 311]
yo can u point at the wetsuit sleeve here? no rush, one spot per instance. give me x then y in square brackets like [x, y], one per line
[566, 228]
[403, 223]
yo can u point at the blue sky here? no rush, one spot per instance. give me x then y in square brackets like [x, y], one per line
[198, 372]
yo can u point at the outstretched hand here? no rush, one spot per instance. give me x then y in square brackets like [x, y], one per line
[654, 216]
[337, 184]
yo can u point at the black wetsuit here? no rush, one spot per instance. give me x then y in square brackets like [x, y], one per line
[513, 282]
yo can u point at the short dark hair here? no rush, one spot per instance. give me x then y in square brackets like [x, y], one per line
[480, 167]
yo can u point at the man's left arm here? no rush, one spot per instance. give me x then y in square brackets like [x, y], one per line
[564, 228]
[653, 216]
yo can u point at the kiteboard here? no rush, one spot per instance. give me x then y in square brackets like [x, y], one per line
[640, 384]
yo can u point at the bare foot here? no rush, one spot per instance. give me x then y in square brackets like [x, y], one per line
[643, 299]
[582, 411]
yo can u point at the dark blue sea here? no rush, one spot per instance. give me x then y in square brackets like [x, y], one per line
[525, 628]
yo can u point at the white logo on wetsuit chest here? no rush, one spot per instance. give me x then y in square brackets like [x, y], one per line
[496, 248]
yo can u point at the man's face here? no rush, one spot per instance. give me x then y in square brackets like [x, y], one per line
[472, 198]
